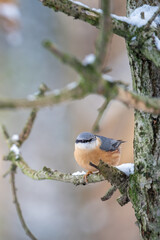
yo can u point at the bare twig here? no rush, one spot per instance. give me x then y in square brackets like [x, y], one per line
[123, 199]
[117, 178]
[105, 31]
[109, 193]
[152, 19]
[5, 133]
[28, 127]
[100, 114]
[64, 57]
[18, 208]
[7, 172]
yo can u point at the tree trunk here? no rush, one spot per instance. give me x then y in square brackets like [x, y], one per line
[144, 187]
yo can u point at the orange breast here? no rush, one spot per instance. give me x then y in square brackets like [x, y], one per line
[84, 156]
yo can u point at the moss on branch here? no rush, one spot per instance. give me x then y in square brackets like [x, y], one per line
[86, 14]
[116, 177]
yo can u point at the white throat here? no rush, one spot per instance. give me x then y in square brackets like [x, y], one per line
[88, 145]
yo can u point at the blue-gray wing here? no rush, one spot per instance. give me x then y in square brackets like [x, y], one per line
[109, 144]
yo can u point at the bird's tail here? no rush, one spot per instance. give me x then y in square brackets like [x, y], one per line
[118, 143]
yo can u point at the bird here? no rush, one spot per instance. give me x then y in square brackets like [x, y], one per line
[93, 148]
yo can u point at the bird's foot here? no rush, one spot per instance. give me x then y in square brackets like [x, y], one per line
[86, 175]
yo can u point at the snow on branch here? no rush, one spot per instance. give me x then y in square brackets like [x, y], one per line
[141, 15]
[145, 18]
[85, 13]
[127, 168]
[141, 35]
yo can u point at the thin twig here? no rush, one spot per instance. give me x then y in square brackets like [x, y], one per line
[148, 24]
[28, 127]
[105, 31]
[5, 133]
[18, 208]
[101, 110]
[123, 199]
[29, 124]
[64, 57]
[109, 193]
[49, 174]
[117, 178]
[7, 172]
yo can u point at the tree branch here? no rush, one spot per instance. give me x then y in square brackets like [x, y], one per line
[117, 178]
[156, 13]
[76, 91]
[28, 127]
[18, 208]
[49, 174]
[143, 103]
[86, 14]
[101, 110]
[105, 32]
[64, 57]
[120, 26]
[71, 8]
[109, 193]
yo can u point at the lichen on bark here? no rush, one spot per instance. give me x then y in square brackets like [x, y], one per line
[144, 188]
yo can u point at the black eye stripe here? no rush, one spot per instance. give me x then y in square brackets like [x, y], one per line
[84, 141]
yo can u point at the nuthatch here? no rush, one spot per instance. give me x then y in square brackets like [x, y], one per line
[93, 148]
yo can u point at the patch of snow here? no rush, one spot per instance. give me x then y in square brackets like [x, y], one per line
[127, 168]
[78, 173]
[157, 42]
[107, 78]
[15, 137]
[89, 59]
[31, 97]
[133, 38]
[15, 149]
[97, 10]
[56, 92]
[79, 3]
[72, 85]
[136, 19]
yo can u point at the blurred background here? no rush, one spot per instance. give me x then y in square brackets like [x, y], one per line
[55, 210]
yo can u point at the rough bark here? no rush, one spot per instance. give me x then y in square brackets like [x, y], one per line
[144, 190]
